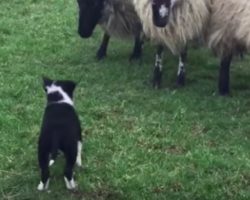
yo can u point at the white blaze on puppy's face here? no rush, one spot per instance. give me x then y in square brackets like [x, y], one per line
[52, 88]
[65, 97]
[163, 11]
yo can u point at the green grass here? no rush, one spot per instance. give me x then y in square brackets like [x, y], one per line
[140, 143]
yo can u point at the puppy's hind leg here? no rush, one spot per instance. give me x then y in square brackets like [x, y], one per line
[68, 172]
[54, 153]
[43, 158]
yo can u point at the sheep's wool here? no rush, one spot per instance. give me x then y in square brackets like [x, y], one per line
[187, 20]
[229, 27]
[224, 24]
[120, 19]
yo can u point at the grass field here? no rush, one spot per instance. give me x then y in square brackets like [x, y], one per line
[140, 143]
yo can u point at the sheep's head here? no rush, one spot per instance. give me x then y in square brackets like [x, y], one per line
[90, 12]
[161, 11]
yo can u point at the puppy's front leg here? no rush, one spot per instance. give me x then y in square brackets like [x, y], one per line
[79, 153]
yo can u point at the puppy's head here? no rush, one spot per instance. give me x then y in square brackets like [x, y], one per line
[59, 91]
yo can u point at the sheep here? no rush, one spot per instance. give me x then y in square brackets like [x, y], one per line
[118, 18]
[224, 25]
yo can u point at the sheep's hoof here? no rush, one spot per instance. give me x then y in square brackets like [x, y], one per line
[224, 93]
[135, 56]
[156, 86]
[224, 89]
[101, 54]
[181, 79]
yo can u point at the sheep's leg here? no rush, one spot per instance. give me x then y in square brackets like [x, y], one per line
[224, 75]
[182, 67]
[137, 51]
[158, 67]
[102, 51]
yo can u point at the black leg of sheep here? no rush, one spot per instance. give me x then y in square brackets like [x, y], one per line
[181, 76]
[158, 68]
[224, 75]
[137, 51]
[102, 51]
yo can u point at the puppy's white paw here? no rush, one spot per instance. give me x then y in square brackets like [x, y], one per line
[51, 162]
[79, 161]
[71, 185]
[42, 187]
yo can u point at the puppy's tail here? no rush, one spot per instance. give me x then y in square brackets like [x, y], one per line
[54, 152]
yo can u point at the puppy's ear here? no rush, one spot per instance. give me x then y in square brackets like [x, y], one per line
[69, 87]
[46, 81]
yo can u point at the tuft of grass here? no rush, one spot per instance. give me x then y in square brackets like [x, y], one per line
[140, 143]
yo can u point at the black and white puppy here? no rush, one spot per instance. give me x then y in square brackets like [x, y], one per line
[61, 130]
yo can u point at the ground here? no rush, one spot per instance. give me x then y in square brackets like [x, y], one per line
[139, 143]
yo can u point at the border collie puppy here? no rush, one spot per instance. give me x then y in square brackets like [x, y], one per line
[61, 130]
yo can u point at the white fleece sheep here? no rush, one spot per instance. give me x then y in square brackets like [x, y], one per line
[224, 24]
[229, 26]
[183, 25]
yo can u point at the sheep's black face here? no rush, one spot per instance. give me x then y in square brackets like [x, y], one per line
[90, 12]
[161, 12]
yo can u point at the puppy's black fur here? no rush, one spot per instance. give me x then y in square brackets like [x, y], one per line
[60, 130]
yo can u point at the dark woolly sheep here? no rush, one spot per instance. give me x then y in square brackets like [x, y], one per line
[117, 18]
